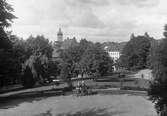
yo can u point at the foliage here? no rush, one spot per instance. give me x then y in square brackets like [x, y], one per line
[69, 42]
[54, 68]
[136, 51]
[8, 62]
[28, 81]
[34, 54]
[10, 67]
[37, 67]
[6, 15]
[70, 57]
[158, 88]
[19, 48]
[6, 18]
[96, 61]
[86, 58]
[39, 44]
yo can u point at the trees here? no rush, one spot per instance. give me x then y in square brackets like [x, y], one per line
[158, 87]
[33, 54]
[36, 52]
[70, 57]
[39, 44]
[54, 68]
[96, 61]
[86, 58]
[8, 62]
[35, 69]
[136, 51]
[6, 18]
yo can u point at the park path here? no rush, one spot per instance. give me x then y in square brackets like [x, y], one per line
[147, 74]
[37, 89]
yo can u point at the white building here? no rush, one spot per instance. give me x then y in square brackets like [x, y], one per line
[115, 55]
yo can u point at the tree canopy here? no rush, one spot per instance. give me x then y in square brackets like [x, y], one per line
[39, 44]
[158, 88]
[6, 18]
[8, 62]
[38, 50]
[86, 58]
[136, 51]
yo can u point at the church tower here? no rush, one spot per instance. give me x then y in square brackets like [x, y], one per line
[60, 35]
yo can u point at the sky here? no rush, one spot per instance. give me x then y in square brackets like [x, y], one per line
[95, 20]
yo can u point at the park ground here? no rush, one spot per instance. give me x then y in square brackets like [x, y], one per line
[110, 100]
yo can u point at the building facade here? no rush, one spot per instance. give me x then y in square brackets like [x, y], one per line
[115, 55]
[57, 44]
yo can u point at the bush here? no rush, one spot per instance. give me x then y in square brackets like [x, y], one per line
[27, 80]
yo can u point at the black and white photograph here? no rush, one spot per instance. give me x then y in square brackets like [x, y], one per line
[83, 58]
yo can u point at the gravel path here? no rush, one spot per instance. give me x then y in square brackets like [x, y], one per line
[147, 74]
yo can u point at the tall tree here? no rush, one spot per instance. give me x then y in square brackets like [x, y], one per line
[158, 86]
[38, 51]
[39, 44]
[136, 51]
[6, 18]
[70, 58]
[96, 61]
[7, 60]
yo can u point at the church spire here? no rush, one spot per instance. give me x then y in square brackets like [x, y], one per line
[60, 35]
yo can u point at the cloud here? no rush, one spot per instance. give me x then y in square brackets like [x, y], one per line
[139, 3]
[96, 20]
[87, 19]
[88, 2]
[80, 13]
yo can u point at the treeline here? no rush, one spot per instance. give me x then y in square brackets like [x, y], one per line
[32, 61]
[146, 52]
[18, 57]
[29, 62]
[33, 53]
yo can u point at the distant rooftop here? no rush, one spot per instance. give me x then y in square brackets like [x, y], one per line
[113, 46]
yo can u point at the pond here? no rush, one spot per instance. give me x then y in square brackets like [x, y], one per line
[95, 105]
